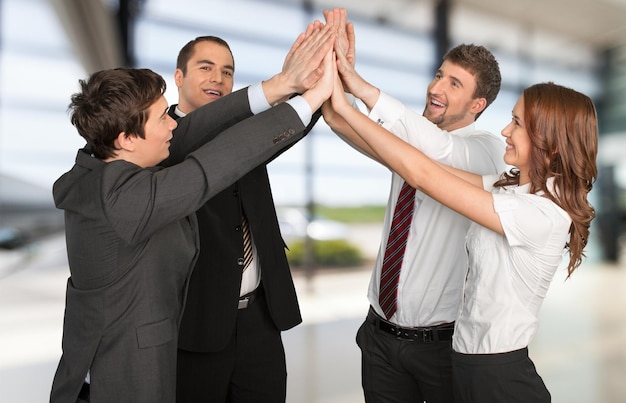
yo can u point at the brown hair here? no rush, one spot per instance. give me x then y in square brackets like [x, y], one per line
[187, 51]
[563, 128]
[111, 102]
[479, 61]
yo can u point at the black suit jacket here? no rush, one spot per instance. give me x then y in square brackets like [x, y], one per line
[212, 300]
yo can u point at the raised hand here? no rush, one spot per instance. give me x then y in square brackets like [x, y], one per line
[344, 39]
[302, 67]
[344, 45]
[323, 88]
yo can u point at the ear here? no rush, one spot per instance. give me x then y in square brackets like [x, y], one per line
[479, 105]
[178, 77]
[124, 142]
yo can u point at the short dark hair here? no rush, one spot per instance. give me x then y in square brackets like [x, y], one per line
[187, 51]
[114, 101]
[479, 61]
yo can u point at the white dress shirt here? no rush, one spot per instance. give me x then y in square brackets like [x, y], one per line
[509, 276]
[433, 270]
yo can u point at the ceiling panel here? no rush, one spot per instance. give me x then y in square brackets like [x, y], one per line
[598, 24]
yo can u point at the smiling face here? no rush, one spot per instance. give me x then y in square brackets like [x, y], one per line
[518, 143]
[154, 147]
[209, 76]
[450, 102]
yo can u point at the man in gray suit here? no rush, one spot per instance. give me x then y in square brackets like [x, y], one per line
[131, 231]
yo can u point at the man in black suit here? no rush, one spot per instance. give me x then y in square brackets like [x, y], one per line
[230, 346]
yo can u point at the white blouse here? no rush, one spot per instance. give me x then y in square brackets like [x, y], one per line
[508, 276]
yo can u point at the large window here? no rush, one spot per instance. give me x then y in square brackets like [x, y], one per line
[39, 72]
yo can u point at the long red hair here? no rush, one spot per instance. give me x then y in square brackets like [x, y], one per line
[563, 127]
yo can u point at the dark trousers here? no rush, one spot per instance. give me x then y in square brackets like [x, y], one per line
[251, 369]
[402, 371]
[497, 378]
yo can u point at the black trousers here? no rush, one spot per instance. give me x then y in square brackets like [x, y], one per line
[395, 370]
[251, 369]
[497, 378]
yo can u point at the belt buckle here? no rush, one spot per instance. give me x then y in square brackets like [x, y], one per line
[427, 335]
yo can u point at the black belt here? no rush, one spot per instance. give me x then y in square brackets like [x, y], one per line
[419, 334]
[248, 299]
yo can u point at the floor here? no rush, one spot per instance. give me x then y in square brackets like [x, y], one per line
[580, 348]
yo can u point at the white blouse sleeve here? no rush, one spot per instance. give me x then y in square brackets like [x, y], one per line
[532, 221]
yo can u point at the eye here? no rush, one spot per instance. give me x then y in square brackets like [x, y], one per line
[228, 73]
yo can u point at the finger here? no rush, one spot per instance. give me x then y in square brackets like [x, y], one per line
[294, 47]
[329, 16]
[305, 42]
[328, 63]
[343, 17]
[317, 45]
[324, 46]
[351, 53]
[309, 30]
[343, 64]
[337, 87]
[317, 31]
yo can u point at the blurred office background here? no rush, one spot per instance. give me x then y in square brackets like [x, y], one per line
[47, 45]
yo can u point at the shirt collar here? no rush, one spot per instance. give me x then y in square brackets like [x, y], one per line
[465, 131]
[179, 113]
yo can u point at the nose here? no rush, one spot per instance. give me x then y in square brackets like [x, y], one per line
[173, 123]
[216, 76]
[434, 86]
[506, 132]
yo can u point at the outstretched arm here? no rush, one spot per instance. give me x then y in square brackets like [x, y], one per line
[461, 191]
[342, 128]
[353, 83]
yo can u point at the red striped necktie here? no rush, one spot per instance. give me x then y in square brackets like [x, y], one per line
[394, 252]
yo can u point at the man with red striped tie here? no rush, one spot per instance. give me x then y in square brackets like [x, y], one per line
[417, 283]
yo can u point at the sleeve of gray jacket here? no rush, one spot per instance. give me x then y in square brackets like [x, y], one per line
[206, 122]
[248, 144]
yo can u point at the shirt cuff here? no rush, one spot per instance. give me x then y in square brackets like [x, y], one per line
[302, 108]
[256, 97]
[386, 111]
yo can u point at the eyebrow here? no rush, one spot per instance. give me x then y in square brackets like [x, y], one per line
[454, 78]
[458, 80]
[212, 63]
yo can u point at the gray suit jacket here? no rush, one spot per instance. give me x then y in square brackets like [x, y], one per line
[132, 241]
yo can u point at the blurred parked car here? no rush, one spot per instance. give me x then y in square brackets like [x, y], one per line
[295, 225]
[27, 213]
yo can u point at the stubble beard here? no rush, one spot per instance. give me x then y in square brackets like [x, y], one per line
[442, 121]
